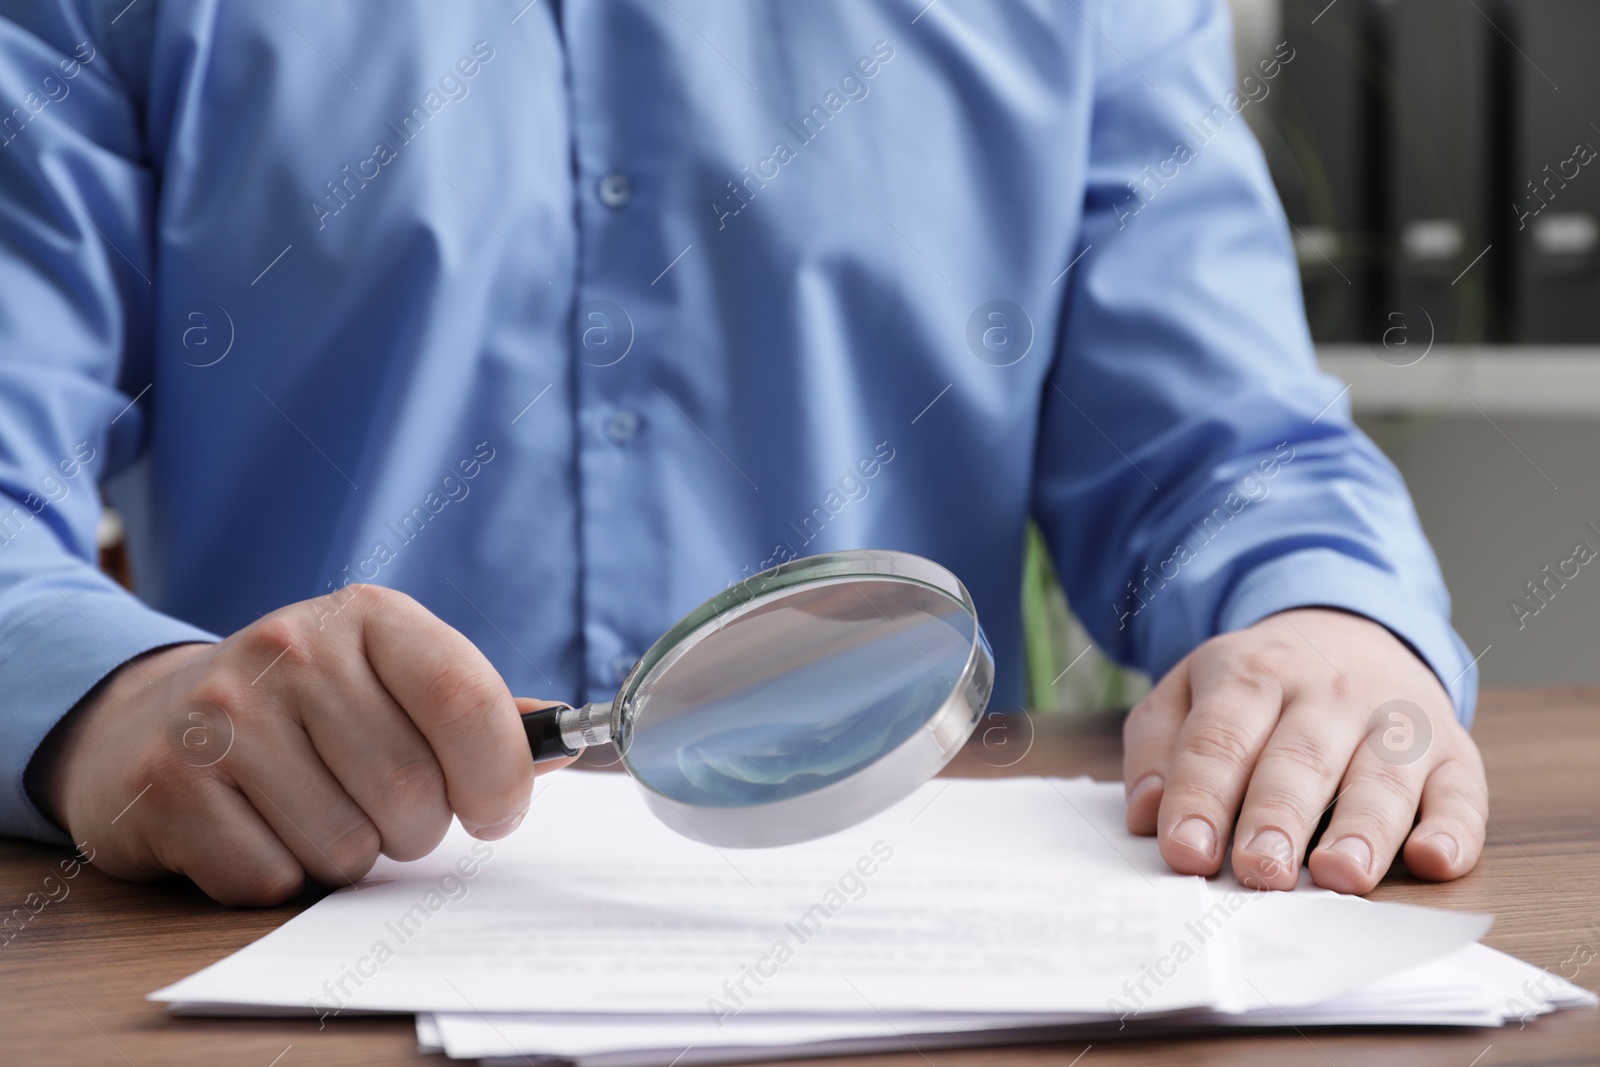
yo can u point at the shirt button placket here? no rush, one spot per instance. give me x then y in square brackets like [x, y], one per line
[615, 190]
[622, 426]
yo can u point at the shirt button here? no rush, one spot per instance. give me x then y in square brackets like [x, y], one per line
[621, 426]
[620, 666]
[615, 189]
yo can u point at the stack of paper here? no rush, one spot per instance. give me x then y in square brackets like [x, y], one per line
[977, 912]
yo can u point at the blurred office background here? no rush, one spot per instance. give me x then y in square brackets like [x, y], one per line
[1438, 161]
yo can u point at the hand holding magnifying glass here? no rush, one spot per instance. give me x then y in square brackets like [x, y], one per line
[793, 705]
[797, 703]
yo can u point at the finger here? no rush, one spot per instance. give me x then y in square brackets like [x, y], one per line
[1376, 807]
[461, 705]
[381, 760]
[1294, 779]
[1448, 839]
[1237, 701]
[221, 843]
[283, 778]
[1148, 735]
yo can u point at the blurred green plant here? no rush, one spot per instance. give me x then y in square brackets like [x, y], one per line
[1065, 671]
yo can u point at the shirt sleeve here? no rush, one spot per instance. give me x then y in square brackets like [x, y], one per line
[1196, 472]
[75, 297]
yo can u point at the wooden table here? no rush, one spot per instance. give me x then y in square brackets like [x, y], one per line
[72, 982]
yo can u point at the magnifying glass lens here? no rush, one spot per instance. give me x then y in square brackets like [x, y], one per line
[798, 703]
[794, 691]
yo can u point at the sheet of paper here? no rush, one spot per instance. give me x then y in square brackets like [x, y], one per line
[889, 915]
[663, 1039]
[1011, 896]
[593, 906]
[1295, 949]
[1474, 986]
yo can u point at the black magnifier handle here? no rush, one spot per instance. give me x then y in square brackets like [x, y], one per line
[563, 730]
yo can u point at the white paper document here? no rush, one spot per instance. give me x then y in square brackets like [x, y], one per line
[975, 911]
[1475, 986]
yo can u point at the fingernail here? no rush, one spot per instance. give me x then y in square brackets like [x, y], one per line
[1356, 849]
[1446, 844]
[1197, 834]
[1276, 846]
[1145, 785]
[499, 829]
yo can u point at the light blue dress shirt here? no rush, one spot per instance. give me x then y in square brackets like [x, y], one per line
[563, 317]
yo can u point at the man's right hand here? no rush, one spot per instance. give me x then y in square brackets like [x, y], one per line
[304, 744]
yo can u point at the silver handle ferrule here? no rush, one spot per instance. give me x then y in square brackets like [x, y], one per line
[585, 726]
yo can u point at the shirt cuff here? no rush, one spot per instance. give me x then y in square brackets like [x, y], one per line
[1326, 578]
[58, 648]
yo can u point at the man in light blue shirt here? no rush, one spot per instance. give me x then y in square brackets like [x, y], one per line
[550, 319]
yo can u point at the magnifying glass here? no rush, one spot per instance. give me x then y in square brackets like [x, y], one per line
[797, 703]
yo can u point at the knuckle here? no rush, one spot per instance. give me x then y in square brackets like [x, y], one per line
[1220, 740]
[1274, 806]
[1463, 794]
[1252, 670]
[1304, 753]
[278, 638]
[158, 766]
[1201, 794]
[1462, 750]
[355, 850]
[378, 599]
[353, 607]
[1391, 782]
[417, 836]
[219, 691]
[459, 693]
[262, 884]
[414, 785]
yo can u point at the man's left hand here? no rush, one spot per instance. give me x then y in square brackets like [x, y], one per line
[1257, 733]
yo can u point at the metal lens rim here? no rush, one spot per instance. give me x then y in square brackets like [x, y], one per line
[948, 727]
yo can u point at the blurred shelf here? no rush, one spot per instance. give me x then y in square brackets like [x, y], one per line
[1469, 379]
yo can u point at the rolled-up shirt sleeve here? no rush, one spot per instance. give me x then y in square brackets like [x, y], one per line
[1196, 473]
[76, 205]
